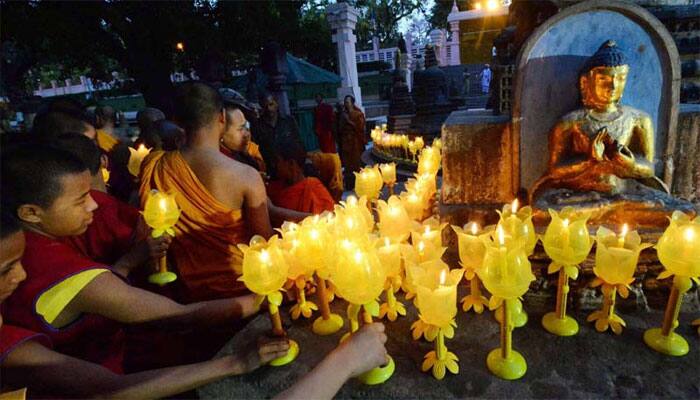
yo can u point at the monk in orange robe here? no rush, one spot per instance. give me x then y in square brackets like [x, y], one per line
[223, 202]
[352, 139]
[294, 190]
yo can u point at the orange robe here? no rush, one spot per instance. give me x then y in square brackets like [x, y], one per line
[330, 171]
[308, 195]
[204, 248]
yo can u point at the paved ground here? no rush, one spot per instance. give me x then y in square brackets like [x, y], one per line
[589, 365]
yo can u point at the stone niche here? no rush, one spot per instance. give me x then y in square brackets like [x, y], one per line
[493, 160]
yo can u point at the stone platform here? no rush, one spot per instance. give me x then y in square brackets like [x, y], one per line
[589, 365]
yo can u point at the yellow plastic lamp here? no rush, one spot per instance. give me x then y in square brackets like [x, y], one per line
[359, 278]
[313, 252]
[298, 272]
[390, 257]
[264, 273]
[368, 183]
[437, 306]
[471, 255]
[161, 213]
[136, 157]
[507, 274]
[567, 242]
[679, 252]
[389, 175]
[394, 221]
[430, 232]
[615, 263]
[414, 204]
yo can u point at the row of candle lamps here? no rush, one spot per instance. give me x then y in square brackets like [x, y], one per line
[398, 146]
[403, 251]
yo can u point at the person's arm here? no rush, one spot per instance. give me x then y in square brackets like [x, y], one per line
[109, 296]
[256, 206]
[45, 371]
[143, 251]
[281, 214]
[363, 351]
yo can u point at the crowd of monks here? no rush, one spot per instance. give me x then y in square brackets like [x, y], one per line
[79, 318]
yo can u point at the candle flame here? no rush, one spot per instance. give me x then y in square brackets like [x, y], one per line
[314, 234]
[625, 229]
[475, 228]
[352, 201]
[421, 246]
[501, 235]
[265, 257]
[413, 198]
[350, 223]
[566, 223]
[163, 204]
[386, 242]
[295, 243]
[427, 229]
[141, 148]
[393, 211]
[514, 206]
[443, 276]
[689, 234]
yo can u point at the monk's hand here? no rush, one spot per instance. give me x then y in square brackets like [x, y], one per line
[364, 349]
[266, 350]
[157, 247]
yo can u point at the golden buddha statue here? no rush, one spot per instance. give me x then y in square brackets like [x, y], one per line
[602, 155]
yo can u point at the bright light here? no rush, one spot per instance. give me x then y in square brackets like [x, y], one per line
[475, 228]
[359, 257]
[265, 257]
[689, 234]
[443, 276]
[566, 223]
[501, 235]
[625, 229]
[514, 206]
[477, 6]
[491, 5]
[180, 46]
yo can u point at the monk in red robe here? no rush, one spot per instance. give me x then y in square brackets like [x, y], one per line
[324, 120]
[293, 189]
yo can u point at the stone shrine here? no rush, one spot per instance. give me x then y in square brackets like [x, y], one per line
[401, 107]
[431, 95]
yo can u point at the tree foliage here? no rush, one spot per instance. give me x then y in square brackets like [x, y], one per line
[47, 39]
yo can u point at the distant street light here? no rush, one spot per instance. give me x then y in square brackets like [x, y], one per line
[180, 46]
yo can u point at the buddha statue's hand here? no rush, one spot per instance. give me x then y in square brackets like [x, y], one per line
[600, 143]
[624, 159]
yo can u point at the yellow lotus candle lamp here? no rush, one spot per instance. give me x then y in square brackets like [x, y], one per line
[416, 255]
[615, 262]
[368, 182]
[389, 176]
[314, 242]
[414, 204]
[471, 256]
[161, 213]
[679, 252]
[507, 274]
[437, 143]
[430, 231]
[136, 157]
[517, 225]
[429, 161]
[394, 221]
[567, 242]
[298, 272]
[413, 149]
[437, 306]
[359, 278]
[265, 272]
[389, 254]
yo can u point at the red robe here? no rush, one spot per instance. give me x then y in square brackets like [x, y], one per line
[324, 119]
[308, 195]
[12, 336]
[91, 337]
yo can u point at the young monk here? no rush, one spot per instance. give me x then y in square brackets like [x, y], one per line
[78, 302]
[293, 189]
[236, 142]
[223, 202]
[27, 360]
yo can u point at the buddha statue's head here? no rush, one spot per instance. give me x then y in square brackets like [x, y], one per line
[603, 77]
